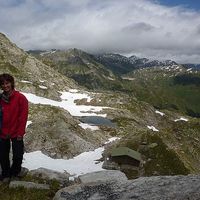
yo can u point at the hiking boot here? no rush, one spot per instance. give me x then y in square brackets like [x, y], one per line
[14, 178]
[6, 180]
[17, 177]
[23, 172]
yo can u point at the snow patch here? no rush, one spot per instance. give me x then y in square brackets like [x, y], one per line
[177, 68]
[160, 113]
[72, 96]
[68, 103]
[112, 79]
[73, 90]
[42, 87]
[46, 52]
[84, 163]
[189, 69]
[112, 140]
[23, 81]
[128, 78]
[85, 126]
[181, 119]
[152, 128]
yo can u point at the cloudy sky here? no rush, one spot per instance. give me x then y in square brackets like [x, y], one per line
[162, 29]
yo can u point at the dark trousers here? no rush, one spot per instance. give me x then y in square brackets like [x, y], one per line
[18, 151]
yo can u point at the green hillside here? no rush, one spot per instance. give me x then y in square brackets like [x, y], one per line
[180, 92]
[80, 66]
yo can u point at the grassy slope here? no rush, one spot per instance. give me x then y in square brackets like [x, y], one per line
[166, 93]
[20, 193]
[177, 148]
[81, 67]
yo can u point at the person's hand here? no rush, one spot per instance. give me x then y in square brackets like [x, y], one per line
[19, 138]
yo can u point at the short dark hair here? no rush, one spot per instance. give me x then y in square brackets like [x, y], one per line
[7, 77]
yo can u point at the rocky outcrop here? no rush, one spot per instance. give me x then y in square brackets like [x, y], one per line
[143, 188]
[103, 176]
[24, 67]
[28, 185]
[48, 174]
[57, 134]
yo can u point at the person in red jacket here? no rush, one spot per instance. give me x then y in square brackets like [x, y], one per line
[13, 118]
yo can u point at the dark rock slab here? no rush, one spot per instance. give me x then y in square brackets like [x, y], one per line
[143, 188]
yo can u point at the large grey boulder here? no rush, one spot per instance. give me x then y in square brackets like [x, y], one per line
[44, 173]
[143, 188]
[103, 176]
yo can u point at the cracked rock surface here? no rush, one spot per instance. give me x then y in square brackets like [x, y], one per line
[143, 188]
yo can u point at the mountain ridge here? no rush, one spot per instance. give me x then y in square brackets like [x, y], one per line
[133, 75]
[131, 62]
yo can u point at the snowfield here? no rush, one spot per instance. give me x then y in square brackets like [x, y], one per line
[81, 164]
[84, 163]
[68, 103]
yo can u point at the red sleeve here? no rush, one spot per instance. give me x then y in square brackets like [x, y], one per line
[23, 115]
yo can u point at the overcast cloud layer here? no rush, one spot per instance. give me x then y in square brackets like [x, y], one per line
[140, 27]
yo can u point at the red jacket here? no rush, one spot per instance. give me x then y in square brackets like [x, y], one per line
[15, 114]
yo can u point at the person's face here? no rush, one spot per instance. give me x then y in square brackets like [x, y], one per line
[7, 87]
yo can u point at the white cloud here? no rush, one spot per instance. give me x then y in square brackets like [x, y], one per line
[138, 27]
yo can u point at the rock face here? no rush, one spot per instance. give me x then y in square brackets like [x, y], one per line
[57, 134]
[103, 176]
[24, 67]
[50, 175]
[143, 188]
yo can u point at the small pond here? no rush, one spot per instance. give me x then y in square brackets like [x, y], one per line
[96, 120]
